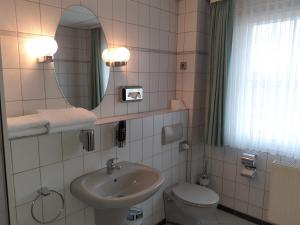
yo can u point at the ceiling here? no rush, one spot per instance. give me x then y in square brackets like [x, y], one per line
[79, 17]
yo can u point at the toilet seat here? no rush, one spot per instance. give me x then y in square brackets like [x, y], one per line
[196, 195]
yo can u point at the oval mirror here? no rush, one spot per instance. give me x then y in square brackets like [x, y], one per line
[80, 71]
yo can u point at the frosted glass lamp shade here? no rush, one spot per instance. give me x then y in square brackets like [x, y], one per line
[116, 56]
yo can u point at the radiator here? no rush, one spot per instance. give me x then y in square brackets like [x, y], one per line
[284, 199]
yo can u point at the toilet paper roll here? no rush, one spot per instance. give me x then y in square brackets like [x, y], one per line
[247, 172]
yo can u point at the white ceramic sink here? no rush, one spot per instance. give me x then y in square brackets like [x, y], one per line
[117, 192]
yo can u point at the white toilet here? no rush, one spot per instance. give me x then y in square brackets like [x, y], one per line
[188, 204]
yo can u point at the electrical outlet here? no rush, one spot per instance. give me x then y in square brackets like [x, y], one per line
[183, 65]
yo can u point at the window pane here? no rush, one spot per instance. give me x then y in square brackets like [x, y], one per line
[263, 92]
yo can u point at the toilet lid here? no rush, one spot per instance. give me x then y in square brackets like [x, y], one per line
[196, 194]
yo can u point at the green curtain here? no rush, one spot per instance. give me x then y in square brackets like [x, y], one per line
[97, 92]
[221, 43]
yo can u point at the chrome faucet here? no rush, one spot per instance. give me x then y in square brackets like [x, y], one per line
[111, 165]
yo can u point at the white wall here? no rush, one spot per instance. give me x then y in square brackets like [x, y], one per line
[3, 143]
[55, 160]
[148, 28]
[193, 48]
[249, 196]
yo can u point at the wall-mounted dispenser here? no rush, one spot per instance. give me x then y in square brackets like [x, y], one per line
[249, 162]
[132, 93]
[87, 139]
[116, 57]
[121, 134]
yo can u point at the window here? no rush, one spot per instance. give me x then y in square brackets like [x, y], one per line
[263, 94]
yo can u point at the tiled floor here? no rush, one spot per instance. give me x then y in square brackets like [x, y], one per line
[223, 218]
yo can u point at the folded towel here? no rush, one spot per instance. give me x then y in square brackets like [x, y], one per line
[67, 119]
[82, 126]
[22, 123]
[28, 132]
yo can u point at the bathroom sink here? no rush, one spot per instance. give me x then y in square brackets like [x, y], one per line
[127, 186]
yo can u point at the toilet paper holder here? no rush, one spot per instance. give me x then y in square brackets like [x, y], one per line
[249, 162]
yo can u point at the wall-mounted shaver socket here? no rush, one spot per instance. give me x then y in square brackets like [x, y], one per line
[87, 139]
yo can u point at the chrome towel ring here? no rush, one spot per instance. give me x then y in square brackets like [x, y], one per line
[44, 192]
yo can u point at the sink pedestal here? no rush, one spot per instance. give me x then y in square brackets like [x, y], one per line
[110, 216]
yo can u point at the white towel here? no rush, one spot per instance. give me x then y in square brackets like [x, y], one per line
[28, 132]
[23, 126]
[22, 123]
[68, 119]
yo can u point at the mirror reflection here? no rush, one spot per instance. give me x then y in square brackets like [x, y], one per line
[81, 73]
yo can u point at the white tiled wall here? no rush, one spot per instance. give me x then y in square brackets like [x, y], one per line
[147, 28]
[193, 48]
[3, 191]
[55, 160]
[249, 196]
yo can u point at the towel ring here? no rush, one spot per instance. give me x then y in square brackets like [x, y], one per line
[43, 192]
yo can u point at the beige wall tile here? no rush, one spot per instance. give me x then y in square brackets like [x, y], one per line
[49, 26]
[68, 3]
[14, 108]
[105, 8]
[25, 159]
[91, 5]
[30, 79]
[7, 11]
[12, 84]
[26, 185]
[28, 17]
[10, 51]
[56, 3]
[31, 106]
[50, 149]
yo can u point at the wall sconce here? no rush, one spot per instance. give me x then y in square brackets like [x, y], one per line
[43, 48]
[115, 57]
